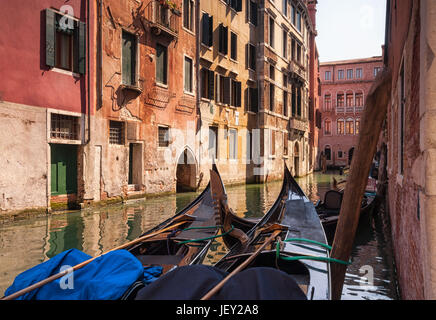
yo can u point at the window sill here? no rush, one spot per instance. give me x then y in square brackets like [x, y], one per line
[161, 85]
[206, 46]
[64, 141]
[66, 72]
[252, 112]
[189, 93]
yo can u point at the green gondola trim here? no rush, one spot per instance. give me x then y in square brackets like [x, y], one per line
[208, 238]
[309, 241]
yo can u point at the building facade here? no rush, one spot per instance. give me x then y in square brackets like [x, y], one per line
[146, 116]
[44, 103]
[285, 28]
[344, 87]
[410, 140]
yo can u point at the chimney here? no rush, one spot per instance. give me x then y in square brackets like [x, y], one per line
[311, 7]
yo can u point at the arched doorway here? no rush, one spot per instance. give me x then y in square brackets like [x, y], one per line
[186, 172]
[350, 155]
[296, 159]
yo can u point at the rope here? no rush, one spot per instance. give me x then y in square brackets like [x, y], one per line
[208, 238]
[295, 258]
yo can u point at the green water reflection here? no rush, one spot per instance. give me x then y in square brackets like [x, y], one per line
[26, 243]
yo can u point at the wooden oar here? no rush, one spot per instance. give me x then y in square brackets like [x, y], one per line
[214, 290]
[81, 265]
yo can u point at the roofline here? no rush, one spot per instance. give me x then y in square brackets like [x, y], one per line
[353, 61]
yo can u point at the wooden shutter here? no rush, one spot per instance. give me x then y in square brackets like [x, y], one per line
[238, 93]
[226, 90]
[211, 82]
[205, 29]
[210, 31]
[238, 5]
[80, 47]
[50, 38]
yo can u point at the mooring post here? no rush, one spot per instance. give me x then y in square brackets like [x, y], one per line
[372, 122]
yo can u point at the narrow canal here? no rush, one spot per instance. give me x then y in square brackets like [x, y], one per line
[24, 244]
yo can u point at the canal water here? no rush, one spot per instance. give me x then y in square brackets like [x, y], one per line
[24, 244]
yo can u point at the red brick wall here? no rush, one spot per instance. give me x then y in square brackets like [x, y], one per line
[404, 43]
[343, 142]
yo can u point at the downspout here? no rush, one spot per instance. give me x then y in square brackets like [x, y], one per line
[89, 69]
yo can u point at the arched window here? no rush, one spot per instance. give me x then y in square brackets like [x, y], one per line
[359, 99]
[327, 102]
[349, 126]
[357, 126]
[327, 127]
[350, 98]
[341, 126]
[340, 100]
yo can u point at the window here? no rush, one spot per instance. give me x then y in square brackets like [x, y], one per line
[189, 75]
[299, 53]
[223, 39]
[285, 7]
[294, 101]
[164, 137]
[253, 94]
[207, 30]
[340, 100]
[350, 74]
[327, 127]
[285, 44]
[294, 15]
[213, 142]
[359, 73]
[235, 93]
[233, 144]
[340, 154]
[271, 32]
[188, 14]
[350, 98]
[357, 126]
[285, 96]
[272, 72]
[340, 74]
[116, 132]
[299, 101]
[328, 153]
[249, 146]
[161, 64]
[299, 21]
[376, 71]
[65, 42]
[223, 89]
[349, 127]
[359, 99]
[285, 144]
[341, 127]
[207, 78]
[64, 127]
[236, 5]
[251, 56]
[129, 58]
[273, 143]
[253, 12]
[271, 96]
[293, 49]
[328, 75]
[327, 102]
[233, 46]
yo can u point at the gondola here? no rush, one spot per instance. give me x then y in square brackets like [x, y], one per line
[300, 249]
[329, 209]
[181, 240]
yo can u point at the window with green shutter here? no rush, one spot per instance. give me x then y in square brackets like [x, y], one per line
[207, 29]
[161, 64]
[65, 40]
[188, 75]
[129, 47]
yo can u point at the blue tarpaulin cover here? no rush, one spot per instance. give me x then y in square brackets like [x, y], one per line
[105, 278]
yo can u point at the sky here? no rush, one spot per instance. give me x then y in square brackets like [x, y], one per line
[350, 29]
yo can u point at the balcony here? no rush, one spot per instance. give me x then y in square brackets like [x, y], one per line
[299, 124]
[164, 18]
[296, 68]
